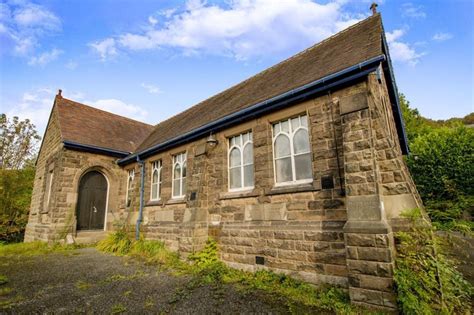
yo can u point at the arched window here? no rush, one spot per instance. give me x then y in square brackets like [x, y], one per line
[155, 180]
[241, 162]
[291, 151]
[179, 175]
[130, 178]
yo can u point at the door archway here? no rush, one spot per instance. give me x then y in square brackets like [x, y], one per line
[92, 201]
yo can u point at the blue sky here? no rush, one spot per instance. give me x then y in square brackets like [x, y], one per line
[152, 59]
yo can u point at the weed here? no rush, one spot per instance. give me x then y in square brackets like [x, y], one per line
[10, 302]
[5, 291]
[118, 308]
[127, 293]
[149, 302]
[427, 282]
[3, 279]
[33, 248]
[82, 285]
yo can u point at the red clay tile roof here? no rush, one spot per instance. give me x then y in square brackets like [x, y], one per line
[352, 46]
[91, 126]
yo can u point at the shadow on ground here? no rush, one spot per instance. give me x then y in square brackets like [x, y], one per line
[88, 281]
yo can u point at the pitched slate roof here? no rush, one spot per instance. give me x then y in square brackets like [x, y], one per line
[87, 125]
[349, 47]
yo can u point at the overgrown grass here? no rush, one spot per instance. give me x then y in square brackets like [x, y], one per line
[33, 248]
[427, 281]
[206, 268]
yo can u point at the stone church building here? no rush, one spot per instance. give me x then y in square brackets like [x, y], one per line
[298, 169]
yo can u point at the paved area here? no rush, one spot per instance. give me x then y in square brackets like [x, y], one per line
[88, 281]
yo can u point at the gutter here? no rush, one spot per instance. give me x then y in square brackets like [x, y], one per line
[94, 149]
[142, 191]
[321, 85]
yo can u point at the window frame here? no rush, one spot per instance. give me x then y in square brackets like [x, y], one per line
[49, 183]
[292, 155]
[156, 166]
[242, 165]
[130, 179]
[182, 163]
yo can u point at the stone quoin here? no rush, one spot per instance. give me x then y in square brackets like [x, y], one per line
[298, 169]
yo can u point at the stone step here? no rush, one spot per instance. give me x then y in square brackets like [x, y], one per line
[89, 237]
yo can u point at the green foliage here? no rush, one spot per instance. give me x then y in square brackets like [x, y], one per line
[3, 279]
[32, 249]
[442, 163]
[442, 166]
[118, 243]
[118, 308]
[16, 187]
[427, 281]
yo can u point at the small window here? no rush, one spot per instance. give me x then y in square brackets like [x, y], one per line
[291, 151]
[179, 175]
[241, 162]
[130, 178]
[155, 180]
[49, 185]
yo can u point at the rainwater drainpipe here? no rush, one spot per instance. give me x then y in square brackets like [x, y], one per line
[142, 190]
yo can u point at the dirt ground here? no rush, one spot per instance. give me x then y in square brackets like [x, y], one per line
[88, 281]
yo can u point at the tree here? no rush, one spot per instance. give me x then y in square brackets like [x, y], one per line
[18, 145]
[18, 142]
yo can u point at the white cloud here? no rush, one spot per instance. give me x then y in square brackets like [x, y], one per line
[24, 25]
[152, 20]
[401, 51]
[412, 11]
[105, 48]
[45, 57]
[152, 89]
[241, 29]
[34, 105]
[120, 108]
[441, 37]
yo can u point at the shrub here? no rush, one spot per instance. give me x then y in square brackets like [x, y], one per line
[16, 187]
[427, 281]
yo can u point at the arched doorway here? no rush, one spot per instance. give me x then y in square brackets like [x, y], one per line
[92, 201]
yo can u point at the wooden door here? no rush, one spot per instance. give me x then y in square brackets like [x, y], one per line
[92, 201]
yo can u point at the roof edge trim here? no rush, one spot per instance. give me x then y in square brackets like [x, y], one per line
[94, 149]
[330, 81]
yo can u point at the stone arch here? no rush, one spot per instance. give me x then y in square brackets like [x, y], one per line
[112, 183]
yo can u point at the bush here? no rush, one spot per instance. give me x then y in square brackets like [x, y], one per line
[427, 281]
[16, 187]
[442, 163]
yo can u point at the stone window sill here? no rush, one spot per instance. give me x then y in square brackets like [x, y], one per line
[291, 189]
[176, 201]
[238, 194]
[154, 203]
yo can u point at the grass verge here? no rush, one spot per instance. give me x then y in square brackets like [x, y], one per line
[33, 248]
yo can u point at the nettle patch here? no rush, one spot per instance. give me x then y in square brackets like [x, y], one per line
[427, 281]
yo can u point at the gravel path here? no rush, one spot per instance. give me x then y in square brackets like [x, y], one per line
[88, 281]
